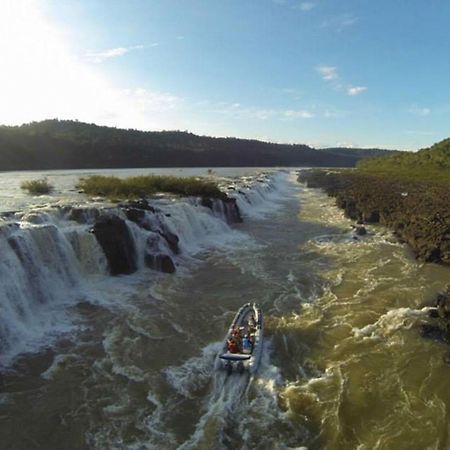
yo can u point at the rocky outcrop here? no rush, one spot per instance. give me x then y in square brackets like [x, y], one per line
[171, 239]
[161, 262]
[83, 215]
[417, 212]
[136, 211]
[227, 207]
[114, 237]
[232, 212]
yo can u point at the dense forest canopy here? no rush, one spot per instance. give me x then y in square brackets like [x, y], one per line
[67, 144]
[429, 163]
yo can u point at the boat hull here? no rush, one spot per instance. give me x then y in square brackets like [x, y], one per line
[249, 320]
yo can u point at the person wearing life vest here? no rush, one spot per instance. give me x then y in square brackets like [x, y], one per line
[236, 338]
[232, 347]
[246, 345]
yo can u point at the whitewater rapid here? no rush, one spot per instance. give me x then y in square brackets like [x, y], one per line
[51, 260]
[127, 362]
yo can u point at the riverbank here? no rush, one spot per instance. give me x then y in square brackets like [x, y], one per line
[418, 212]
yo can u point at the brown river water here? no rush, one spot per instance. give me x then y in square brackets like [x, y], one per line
[344, 364]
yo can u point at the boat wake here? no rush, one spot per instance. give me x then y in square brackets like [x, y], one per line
[239, 408]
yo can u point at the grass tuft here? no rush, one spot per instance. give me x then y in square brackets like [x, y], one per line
[141, 186]
[37, 187]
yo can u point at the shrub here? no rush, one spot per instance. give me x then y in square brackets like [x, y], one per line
[37, 187]
[141, 186]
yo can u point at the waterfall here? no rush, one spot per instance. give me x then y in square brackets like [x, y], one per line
[50, 257]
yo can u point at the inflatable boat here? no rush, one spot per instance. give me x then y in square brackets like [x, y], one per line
[242, 346]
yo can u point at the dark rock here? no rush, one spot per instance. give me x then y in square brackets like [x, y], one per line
[138, 204]
[433, 332]
[114, 237]
[207, 202]
[161, 262]
[141, 204]
[360, 230]
[371, 217]
[135, 215]
[83, 215]
[232, 210]
[433, 313]
[7, 228]
[172, 239]
[443, 306]
[421, 218]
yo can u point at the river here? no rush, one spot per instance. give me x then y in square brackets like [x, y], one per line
[129, 362]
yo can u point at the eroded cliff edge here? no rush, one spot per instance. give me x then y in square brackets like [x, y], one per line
[418, 212]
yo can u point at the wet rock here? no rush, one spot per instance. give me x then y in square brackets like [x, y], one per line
[83, 215]
[443, 306]
[360, 230]
[421, 218]
[433, 313]
[232, 210]
[135, 215]
[172, 239]
[371, 216]
[142, 203]
[160, 262]
[207, 202]
[8, 228]
[114, 237]
[433, 332]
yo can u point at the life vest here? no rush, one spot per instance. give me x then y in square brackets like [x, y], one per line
[232, 347]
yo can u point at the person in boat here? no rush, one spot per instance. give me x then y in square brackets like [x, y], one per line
[251, 324]
[251, 338]
[246, 345]
[231, 346]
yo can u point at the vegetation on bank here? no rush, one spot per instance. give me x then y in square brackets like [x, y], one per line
[430, 164]
[417, 210]
[143, 186]
[37, 187]
[68, 144]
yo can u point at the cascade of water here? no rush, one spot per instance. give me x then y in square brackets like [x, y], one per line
[38, 270]
[47, 260]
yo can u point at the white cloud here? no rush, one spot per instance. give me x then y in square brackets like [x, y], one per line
[356, 90]
[99, 57]
[238, 111]
[334, 113]
[340, 22]
[44, 79]
[294, 114]
[420, 111]
[328, 72]
[152, 101]
[305, 6]
[300, 5]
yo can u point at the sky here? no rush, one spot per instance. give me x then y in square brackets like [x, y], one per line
[358, 73]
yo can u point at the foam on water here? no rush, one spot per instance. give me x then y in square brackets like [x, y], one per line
[391, 322]
[49, 262]
[238, 408]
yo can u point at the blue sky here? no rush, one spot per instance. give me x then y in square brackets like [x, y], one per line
[322, 72]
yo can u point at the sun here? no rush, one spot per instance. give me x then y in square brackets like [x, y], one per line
[42, 77]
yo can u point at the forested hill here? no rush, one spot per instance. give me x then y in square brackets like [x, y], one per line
[66, 144]
[431, 163]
